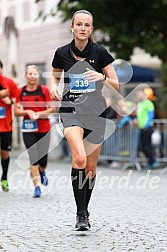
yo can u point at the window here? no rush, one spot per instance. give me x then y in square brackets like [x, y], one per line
[0, 17]
[12, 11]
[26, 11]
[41, 6]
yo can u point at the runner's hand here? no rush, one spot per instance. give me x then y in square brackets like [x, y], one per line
[32, 115]
[93, 76]
[55, 93]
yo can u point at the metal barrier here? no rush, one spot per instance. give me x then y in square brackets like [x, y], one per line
[122, 145]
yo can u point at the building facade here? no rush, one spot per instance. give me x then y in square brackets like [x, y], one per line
[25, 40]
[34, 41]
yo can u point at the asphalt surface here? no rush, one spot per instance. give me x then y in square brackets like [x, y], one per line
[128, 211]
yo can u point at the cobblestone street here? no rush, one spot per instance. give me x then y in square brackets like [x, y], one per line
[128, 212]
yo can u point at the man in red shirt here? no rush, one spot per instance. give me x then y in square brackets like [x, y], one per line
[6, 102]
[3, 87]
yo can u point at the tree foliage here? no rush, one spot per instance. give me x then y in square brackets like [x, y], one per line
[126, 24]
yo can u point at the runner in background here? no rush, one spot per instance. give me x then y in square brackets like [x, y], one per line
[6, 124]
[34, 104]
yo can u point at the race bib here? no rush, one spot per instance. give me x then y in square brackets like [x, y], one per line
[2, 112]
[29, 126]
[78, 84]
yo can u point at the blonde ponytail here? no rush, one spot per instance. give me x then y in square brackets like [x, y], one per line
[92, 38]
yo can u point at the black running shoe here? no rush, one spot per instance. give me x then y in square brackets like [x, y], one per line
[87, 215]
[81, 222]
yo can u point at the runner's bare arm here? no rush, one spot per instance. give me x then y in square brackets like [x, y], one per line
[4, 93]
[18, 111]
[54, 82]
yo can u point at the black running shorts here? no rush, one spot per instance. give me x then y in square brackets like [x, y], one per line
[6, 141]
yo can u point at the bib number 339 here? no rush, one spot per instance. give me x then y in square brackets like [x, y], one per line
[78, 84]
[82, 83]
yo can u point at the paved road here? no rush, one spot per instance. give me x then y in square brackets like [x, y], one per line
[128, 212]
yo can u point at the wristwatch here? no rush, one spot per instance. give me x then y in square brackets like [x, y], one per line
[104, 76]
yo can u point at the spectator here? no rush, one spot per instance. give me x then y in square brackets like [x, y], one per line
[159, 114]
[145, 122]
[110, 114]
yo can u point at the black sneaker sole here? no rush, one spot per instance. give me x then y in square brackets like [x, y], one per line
[36, 196]
[5, 190]
[82, 228]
